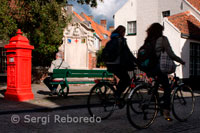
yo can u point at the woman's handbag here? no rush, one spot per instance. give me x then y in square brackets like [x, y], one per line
[167, 65]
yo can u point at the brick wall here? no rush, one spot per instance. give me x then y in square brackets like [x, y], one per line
[92, 60]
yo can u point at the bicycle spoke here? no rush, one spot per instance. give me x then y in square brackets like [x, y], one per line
[101, 100]
[142, 108]
[183, 103]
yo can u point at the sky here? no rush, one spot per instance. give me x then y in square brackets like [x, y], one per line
[104, 10]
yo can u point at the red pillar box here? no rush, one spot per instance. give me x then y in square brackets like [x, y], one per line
[19, 68]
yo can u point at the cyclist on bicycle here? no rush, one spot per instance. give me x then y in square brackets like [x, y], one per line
[155, 33]
[124, 61]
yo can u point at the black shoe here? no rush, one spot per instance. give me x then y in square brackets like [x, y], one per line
[120, 103]
[166, 115]
[53, 92]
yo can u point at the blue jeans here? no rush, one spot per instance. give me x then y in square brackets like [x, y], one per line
[162, 79]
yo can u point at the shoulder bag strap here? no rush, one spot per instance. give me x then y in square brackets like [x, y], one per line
[60, 64]
[163, 49]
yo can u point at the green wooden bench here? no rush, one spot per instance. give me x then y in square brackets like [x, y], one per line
[65, 74]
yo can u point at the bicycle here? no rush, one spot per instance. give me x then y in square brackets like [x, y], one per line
[102, 100]
[144, 103]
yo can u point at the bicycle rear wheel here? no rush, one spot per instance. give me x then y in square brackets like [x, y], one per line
[101, 100]
[142, 107]
[183, 102]
[63, 91]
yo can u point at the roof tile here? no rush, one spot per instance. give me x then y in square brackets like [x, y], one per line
[78, 16]
[186, 23]
[99, 30]
[195, 4]
[97, 27]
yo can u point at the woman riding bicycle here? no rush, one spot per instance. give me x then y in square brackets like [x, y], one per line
[124, 62]
[155, 34]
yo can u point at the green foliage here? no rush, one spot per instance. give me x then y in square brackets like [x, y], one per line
[100, 61]
[7, 23]
[92, 3]
[41, 21]
[47, 24]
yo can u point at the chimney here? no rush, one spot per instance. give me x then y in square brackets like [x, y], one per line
[69, 8]
[111, 28]
[104, 24]
[91, 17]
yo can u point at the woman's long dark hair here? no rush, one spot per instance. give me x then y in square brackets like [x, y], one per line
[120, 30]
[154, 31]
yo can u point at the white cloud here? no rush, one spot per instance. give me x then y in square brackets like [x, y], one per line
[107, 8]
[104, 10]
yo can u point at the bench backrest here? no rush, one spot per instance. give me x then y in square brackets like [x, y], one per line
[76, 73]
[88, 73]
[59, 73]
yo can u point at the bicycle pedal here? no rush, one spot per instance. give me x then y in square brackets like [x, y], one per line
[168, 119]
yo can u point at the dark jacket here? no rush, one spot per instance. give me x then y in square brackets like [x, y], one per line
[126, 59]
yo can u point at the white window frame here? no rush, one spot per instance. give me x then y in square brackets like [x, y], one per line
[131, 27]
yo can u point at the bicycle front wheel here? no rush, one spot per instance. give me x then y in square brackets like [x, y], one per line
[183, 102]
[142, 107]
[101, 100]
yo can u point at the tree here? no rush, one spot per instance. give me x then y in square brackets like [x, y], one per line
[41, 21]
[7, 23]
[100, 61]
[92, 3]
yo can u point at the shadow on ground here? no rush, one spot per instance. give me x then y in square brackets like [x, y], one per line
[43, 102]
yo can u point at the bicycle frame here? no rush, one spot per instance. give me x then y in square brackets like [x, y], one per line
[137, 86]
[139, 104]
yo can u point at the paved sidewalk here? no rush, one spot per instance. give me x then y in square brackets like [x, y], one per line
[77, 98]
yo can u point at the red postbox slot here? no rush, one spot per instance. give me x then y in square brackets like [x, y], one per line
[8, 53]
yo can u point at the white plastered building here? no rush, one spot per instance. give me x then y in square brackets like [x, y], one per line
[138, 15]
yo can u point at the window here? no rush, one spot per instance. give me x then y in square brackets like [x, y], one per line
[3, 65]
[105, 36]
[83, 40]
[194, 59]
[131, 29]
[166, 13]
